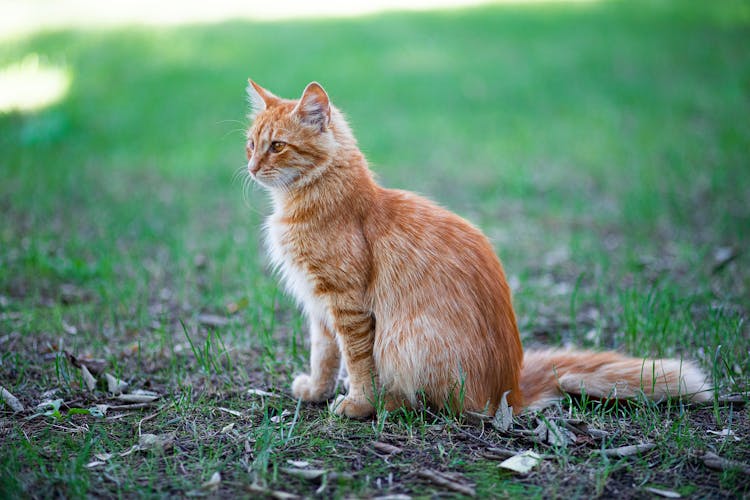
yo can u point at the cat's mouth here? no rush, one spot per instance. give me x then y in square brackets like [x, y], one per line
[276, 178]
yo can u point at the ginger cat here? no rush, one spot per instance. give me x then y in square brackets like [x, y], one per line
[410, 296]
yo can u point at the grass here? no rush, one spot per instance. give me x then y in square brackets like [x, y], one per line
[602, 146]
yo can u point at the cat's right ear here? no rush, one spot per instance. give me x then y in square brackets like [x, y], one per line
[260, 98]
[313, 107]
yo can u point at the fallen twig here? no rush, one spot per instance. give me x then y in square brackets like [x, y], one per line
[714, 461]
[134, 406]
[447, 480]
[626, 451]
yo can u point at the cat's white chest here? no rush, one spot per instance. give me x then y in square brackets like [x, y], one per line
[296, 279]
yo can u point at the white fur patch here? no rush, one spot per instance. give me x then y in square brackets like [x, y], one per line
[296, 280]
[693, 384]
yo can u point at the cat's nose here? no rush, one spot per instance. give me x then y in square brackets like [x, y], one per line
[253, 167]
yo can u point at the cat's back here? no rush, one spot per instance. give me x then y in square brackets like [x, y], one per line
[415, 223]
[418, 245]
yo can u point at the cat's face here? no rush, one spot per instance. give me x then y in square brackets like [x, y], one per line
[289, 139]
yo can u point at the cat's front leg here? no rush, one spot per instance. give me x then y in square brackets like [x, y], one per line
[325, 362]
[356, 330]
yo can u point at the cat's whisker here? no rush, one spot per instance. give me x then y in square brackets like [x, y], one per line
[240, 173]
[229, 120]
[246, 183]
[233, 131]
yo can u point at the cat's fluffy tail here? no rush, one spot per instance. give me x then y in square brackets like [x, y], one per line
[547, 374]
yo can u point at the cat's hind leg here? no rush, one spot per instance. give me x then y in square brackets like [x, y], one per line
[325, 362]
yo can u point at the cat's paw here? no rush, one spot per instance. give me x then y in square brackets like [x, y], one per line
[305, 389]
[347, 406]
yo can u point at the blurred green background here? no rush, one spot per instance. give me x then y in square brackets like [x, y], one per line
[602, 146]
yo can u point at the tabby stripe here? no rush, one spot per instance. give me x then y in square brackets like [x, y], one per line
[351, 312]
[359, 349]
[354, 326]
[325, 287]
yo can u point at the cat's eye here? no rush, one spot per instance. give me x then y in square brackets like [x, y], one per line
[277, 146]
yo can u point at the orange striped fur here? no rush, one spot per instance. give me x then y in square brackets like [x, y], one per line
[408, 296]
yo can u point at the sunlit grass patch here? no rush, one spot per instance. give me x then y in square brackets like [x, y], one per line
[32, 84]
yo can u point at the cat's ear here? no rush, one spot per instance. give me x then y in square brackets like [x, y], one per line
[260, 98]
[313, 107]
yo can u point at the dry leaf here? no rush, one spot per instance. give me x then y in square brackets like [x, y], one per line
[663, 493]
[298, 463]
[231, 412]
[88, 379]
[449, 480]
[103, 456]
[131, 406]
[213, 483]
[504, 415]
[115, 385]
[95, 463]
[597, 433]
[522, 462]
[626, 451]
[156, 442]
[309, 474]
[139, 396]
[227, 428]
[136, 398]
[49, 403]
[280, 418]
[10, 400]
[96, 411]
[549, 432]
[386, 448]
[725, 433]
[259, 392]
[714, 461]
[102, 408]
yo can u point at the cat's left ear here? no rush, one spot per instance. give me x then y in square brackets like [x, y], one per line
[314, 107]
[260, 98]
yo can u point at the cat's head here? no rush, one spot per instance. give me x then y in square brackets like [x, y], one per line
[290, 141]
